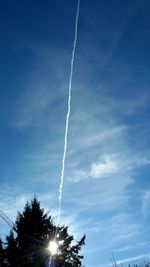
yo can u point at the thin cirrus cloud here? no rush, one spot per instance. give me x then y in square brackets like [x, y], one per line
[42, 91]
[146, 203]
[47, 84]
[100, 195]
[110, 165]
[134, 259]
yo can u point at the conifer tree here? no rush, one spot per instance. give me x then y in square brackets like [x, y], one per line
[1, 253]
[12, 252]
[34, 231]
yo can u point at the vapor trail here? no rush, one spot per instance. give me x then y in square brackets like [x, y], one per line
[68, 112]
[50, 261]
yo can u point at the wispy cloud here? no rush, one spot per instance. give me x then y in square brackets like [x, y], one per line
[100, 195]
[16, 199]
[146, 202]
[42, 90]
[107, 167]
[119, 227]
[134, 259]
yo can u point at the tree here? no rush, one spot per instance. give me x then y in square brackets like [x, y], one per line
[1, 253]
[12, 252]
[34, 231]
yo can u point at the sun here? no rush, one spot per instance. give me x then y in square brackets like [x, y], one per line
[53, 247]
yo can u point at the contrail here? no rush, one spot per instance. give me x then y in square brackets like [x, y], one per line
[50, 261]
[68, 112]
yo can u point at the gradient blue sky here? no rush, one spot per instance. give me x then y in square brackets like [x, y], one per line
[107, 186]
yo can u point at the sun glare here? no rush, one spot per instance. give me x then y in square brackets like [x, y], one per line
[53, 247]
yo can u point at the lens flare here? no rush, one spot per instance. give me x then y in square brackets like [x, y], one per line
[53, 247]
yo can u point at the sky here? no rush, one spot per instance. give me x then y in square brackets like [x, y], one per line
[106, 192]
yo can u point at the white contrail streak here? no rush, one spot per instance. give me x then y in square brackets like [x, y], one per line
[50, 261]
[68, 112]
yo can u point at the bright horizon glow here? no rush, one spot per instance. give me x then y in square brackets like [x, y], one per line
[53, 247]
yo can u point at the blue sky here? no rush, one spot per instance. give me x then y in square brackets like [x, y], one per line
[106, 185]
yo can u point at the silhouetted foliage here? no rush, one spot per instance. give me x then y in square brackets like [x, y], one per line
[12, 252]
[34, 230]
[1, 253]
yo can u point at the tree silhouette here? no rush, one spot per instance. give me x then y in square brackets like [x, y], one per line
[12, 252]
[34, 230]
[1, 253]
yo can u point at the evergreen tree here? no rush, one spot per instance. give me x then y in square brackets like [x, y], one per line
[1, 253]
[35, 229]
[12, 252]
